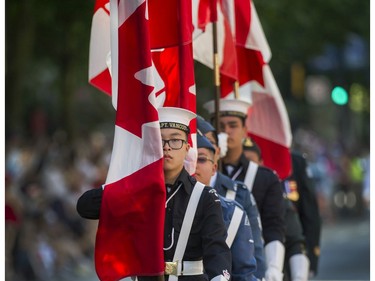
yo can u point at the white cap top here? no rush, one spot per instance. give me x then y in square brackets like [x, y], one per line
[175, 117]
[229, 107]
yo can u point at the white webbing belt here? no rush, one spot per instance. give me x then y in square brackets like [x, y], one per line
[190, 268]
[234, 225]
[231, 194]
[250, 175]
[219, 278]
[235, 176]
[185, 232]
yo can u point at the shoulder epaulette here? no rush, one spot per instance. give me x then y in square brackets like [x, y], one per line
[239, 184]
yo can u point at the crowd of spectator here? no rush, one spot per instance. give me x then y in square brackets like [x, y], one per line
[45, 237]
[341, 175]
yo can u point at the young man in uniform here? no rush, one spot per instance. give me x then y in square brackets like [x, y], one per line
[237, 191]
[263, 182]
[194, 241]
[296, 265]
[240, 239]
[301, 192]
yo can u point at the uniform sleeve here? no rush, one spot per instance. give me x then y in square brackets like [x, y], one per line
[308, 210]
[243, 260]
[217, 258]
[272, 211]
[294, 239]
[88, 205]
[246, 198]
[256, 229]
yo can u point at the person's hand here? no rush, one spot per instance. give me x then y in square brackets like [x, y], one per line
[273, 274]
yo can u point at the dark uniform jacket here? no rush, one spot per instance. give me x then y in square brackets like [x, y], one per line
[301, 192]
[268, 194]
[246, 199]
[208, 232]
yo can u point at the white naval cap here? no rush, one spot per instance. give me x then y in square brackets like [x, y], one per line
[175, 117]
[229, 107]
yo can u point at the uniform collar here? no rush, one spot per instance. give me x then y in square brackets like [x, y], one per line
[187, 181]
[225, 181]
[243, 162]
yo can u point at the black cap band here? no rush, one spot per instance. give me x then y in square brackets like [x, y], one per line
[232, 113]
[175, 125]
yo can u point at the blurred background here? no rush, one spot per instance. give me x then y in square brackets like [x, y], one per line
[59, 129]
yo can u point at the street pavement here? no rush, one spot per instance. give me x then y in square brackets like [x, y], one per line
[345, 250]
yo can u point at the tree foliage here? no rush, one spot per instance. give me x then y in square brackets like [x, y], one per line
[297, 30]
[47, 44]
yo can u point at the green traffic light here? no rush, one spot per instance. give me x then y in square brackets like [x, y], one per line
[339, 95]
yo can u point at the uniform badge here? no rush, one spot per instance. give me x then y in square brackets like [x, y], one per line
[226, 274]
[291, 190]
[214, 192]
[247, 222]
[317, 251]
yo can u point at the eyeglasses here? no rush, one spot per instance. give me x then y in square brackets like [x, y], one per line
[203, 160]
[175, 144]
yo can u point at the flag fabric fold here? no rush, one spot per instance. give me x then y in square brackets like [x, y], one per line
[268, 121]
[170, 34]
[175, 64]
[176, 68]
[269, 125]
[203, 19]
[130, 234]
[100, 47]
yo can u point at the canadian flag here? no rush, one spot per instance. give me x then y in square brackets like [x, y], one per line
[130, 234]
[171, 43]
[268, 122]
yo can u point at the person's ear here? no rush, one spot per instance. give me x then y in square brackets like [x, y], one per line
[217, 154]
[214, 168]
[244, 131]
[187, 147]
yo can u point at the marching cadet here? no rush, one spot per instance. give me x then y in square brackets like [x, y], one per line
[263, 182]
[296, 265]
[194, 231]
[301, 192]
[240, 239]
[252, 151]
[238, 191]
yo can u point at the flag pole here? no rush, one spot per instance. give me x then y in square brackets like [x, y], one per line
[216, 80]
[216, 74]
[236, 89]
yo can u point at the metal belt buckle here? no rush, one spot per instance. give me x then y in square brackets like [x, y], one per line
[171, 268]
